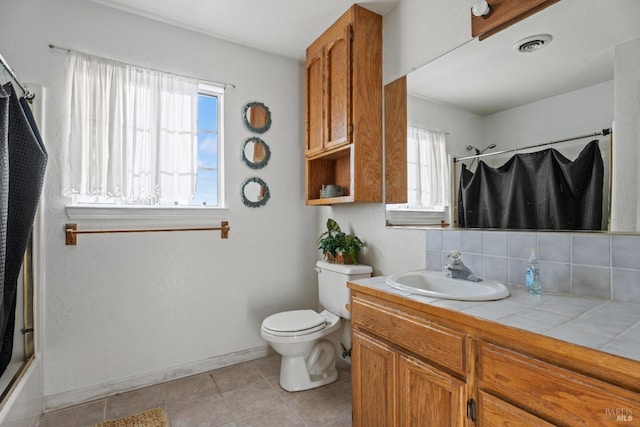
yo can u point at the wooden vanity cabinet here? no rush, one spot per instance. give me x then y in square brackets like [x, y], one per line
[343, 109]
[562, 396]
[415, 364]
[406, 371]
[392, 388]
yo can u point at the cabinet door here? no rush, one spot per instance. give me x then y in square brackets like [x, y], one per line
[314, 102]
[373, 366]
[428, 396]
[338, 87]
[494, 412]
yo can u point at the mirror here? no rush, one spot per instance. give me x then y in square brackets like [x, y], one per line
[254, 192]
[255, 153]
[256, 117]
[485, 92]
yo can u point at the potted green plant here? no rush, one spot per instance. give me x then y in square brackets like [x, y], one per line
[339, 247]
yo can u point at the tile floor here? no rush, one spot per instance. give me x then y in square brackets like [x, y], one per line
[247, 394]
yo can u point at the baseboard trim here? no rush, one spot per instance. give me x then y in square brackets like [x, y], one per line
[76, 397]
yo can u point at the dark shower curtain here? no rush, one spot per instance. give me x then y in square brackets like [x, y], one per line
[23, 159]
[541, 190]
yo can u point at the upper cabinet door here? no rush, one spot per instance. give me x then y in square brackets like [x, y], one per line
[314, 102]
[328, 102]
[338, 86]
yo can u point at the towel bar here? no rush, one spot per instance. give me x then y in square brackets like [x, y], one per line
[71, 231]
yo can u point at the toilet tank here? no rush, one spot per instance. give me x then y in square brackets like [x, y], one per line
[332, 284]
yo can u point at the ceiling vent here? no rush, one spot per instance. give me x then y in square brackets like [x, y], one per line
[533, 43]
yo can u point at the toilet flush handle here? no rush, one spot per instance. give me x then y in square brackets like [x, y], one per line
[317, 269]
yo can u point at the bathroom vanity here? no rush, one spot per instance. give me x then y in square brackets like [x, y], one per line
[432, 362]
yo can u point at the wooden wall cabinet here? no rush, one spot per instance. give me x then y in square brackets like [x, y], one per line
[343, 109]
[420, 365]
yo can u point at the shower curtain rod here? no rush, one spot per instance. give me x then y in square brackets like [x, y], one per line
[222, 85]
[604, 132]
[28, 95]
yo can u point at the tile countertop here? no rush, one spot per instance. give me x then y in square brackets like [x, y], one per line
[605, 325]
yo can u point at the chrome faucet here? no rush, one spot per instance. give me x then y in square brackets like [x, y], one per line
[457, 268]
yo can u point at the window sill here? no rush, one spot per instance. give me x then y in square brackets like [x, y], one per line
[187, 214]
[414, 217]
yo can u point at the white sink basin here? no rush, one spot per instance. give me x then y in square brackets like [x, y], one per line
[437, 285]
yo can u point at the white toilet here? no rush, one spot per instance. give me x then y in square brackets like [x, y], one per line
[308, 341]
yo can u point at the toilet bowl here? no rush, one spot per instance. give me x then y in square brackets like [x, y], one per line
[308, 341]
[308, 352]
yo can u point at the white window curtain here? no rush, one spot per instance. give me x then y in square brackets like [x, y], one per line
[428, 169]
[133, 133]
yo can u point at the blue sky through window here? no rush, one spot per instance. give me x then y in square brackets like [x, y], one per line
[207, 184]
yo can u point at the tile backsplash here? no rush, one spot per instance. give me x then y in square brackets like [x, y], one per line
[594, 265]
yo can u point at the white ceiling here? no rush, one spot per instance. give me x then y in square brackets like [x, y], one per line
[282, 27]
[488, 76]
[481, 77]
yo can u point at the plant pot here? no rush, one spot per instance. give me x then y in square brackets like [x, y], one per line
[339, 259]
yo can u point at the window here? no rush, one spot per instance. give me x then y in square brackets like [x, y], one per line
[428, 184]
[428, 169]
[142, 137]
[210, 109]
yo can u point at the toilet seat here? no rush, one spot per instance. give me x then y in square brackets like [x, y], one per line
[296, 322]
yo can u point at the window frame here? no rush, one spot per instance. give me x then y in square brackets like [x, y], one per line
[211, 89]
[186, 214]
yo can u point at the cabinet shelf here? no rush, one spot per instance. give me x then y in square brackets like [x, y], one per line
[330, 201]
[330, 168]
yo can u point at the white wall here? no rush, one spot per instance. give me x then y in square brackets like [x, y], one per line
[563, 116]
[626, 155]
[418, 31]
[135, 307]
[567, 115]
[464, 128]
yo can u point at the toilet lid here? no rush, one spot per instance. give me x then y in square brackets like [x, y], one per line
[305, 321]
